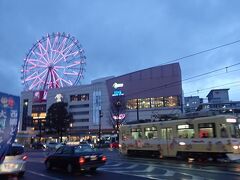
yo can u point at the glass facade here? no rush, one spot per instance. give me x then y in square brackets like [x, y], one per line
[79, 97]
[156, 102]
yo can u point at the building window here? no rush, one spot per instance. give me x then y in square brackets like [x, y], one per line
[81, 120]
[80, 128]
[144, 103]
[80, 113]
[79, 97]
[79, 106]
[157, 102]
[132, 104]
[171, 101]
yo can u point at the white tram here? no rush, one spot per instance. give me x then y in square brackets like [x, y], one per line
[205, 137]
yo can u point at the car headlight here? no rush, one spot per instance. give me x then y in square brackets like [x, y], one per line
[235, 147]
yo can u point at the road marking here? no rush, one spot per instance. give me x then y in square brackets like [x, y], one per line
[114, 165]
[168, 172]
[130, 174]
[184, 168]
[43, 175]
[132, 166]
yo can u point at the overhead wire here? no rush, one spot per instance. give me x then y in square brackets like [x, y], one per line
[201, 52]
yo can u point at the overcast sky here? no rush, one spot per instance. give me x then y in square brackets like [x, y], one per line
[128, 35]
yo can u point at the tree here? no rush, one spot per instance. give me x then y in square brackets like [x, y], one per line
[118, 108]
[58, 119]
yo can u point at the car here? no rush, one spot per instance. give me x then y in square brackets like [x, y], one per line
[14, 162]
[51, 145]
[114, 145]
[87, 143]
[60, 145]
[75, 158]
[38, 145]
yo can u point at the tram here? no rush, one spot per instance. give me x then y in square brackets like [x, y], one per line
[204, 137]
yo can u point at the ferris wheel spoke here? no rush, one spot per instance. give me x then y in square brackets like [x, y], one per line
[31, 77]
[74, 73]
[72, 54]
[56, 78]
[41, 49]
[67, 82]
[36, 76]
[67, 49]
[42, 56]
[33, 62]
[59, 49]
[48, 47]
[53, 47]
[34, 83]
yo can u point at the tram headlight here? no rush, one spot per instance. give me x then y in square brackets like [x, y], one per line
[235, 147]
[182, 143]
[119, 145]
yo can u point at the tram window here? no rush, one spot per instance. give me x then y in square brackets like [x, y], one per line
[234, 130]
[136, 133]
[206, 130]
[163, 133]
[150, 132]
[223, 131]
[185, 131]
[166, 133]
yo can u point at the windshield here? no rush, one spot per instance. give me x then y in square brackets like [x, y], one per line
[234, 130]
[83, 148]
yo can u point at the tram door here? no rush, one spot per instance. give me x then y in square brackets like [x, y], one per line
[167, 137]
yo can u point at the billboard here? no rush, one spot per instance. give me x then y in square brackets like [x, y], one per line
[9, 117]
[39, 96]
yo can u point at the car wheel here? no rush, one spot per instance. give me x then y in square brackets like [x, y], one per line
[69, 168]
[48, 165]
[21, 174]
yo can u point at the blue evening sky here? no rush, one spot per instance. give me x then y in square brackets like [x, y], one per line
[122, 36]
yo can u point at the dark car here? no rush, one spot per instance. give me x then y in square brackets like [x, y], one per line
[38, 145]
[75, 158]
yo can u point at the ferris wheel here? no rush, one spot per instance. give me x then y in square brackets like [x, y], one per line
[55, 61]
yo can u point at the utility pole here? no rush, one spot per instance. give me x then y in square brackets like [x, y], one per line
[99, 127]
[137, 111]
[40, 127]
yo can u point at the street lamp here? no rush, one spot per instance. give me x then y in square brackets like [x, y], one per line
[70, 130]
[40, 127]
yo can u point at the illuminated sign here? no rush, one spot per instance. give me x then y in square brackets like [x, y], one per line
[184, 126]
[117, 93]
[121, 116]
[41, 115]
[117, 85]
[40, 96]
[59, 98]
[231, 120]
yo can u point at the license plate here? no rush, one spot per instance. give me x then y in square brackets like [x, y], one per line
[10, 166]
[93, 158]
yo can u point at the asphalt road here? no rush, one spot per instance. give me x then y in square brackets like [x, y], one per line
[132, 168]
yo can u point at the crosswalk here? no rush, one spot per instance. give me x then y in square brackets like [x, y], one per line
[136, 167]
[147, 171]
